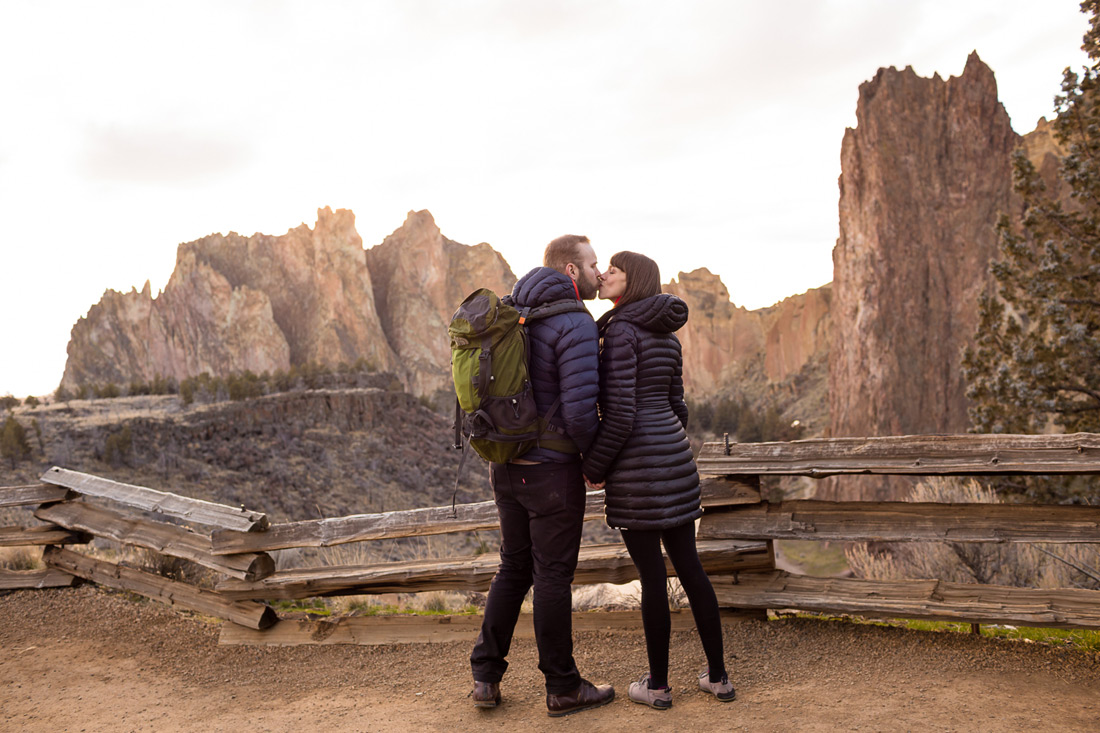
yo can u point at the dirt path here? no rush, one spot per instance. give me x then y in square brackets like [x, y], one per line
[89, 660]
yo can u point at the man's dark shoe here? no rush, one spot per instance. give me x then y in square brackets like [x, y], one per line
[584, 697]
[486, 694]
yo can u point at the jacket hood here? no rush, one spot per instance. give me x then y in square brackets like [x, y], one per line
[543, 285]
[661, 313]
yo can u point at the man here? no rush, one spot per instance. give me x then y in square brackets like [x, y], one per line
[540, 496]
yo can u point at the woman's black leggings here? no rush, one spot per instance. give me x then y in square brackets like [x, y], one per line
[645, 550]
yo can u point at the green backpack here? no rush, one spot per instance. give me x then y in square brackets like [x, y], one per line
[495, 407]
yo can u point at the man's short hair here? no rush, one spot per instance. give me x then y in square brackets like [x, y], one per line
[563, 250]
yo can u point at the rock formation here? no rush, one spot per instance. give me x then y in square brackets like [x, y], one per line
[201, 323]
[720, 339]
[420, 278]
[728, 349]
[798, 330]
[926, 173]
[264, 303]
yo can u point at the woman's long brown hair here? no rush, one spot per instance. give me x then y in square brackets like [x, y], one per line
[643, 277]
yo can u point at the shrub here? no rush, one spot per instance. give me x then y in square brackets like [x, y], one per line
[38, 435]
[1009, 563]
[7, 402]
[243, 386]
[118, 447]
[109, 390]
[187, 391]
[13, 441]
[31, 401]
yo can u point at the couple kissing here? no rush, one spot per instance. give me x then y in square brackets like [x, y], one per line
[612, 394]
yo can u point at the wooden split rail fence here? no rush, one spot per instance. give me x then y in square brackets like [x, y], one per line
[736, 536]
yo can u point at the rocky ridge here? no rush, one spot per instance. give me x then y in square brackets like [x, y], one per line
[925, 175]
[265, 303]
[756, 354]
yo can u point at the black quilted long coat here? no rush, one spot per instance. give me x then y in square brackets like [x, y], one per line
[642, 449]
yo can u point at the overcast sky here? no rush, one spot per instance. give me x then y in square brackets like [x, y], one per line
[703, 133]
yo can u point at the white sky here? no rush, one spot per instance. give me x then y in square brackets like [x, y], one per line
[703, 133]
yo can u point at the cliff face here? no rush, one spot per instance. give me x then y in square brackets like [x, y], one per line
[720, 339]
[798, 330]
[754, 353]
[200, 323]
[420, 278]
[926, 173]
[264, 303]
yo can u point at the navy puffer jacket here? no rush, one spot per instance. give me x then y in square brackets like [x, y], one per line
[642, 449]
[564, 359]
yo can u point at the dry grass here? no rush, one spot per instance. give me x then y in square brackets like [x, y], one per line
[102, 412]
[21, 558]
[1034, 565]
[166, 566]
[352, 553]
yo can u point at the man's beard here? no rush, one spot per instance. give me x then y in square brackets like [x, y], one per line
[587, 289]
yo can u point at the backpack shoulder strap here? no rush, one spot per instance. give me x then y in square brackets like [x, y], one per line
[553, 308]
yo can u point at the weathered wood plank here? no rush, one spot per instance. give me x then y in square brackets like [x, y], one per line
[160, 502]
[382, 630]
[729, 490]
[27, 579]
[905, 522]
[596, 564]
[387, 525]
[32, 494]
[718, 491]
[945, 455]
[46, 535]
[167, 539]
[247, 613]
[927, 599]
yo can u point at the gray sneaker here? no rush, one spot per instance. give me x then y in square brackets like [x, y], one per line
[722, 689]
[659, 699]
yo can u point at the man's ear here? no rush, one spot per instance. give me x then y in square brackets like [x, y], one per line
[571, 270]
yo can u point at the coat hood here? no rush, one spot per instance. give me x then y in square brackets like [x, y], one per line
[661, 313]
[543, 285]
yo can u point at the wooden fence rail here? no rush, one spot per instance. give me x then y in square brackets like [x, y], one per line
[905, 522]
[36, 494]
[924, 599]
[167, 539]
[736, 535]
[158, 502]
[920, 455]
[717, 491]
[596, 564]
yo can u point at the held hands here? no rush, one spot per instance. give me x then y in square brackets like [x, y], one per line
[592, 486]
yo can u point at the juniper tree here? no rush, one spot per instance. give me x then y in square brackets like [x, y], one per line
[1035, 362]
[1036, 356]
[13, 441]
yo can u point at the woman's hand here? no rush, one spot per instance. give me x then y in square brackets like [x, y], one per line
[590, 485]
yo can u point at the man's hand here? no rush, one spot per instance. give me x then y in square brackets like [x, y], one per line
[590, 485]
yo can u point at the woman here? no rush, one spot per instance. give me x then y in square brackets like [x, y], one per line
[642, 458]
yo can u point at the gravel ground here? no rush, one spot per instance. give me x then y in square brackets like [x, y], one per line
[87, 659]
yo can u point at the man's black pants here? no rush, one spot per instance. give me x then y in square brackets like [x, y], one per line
[541, 508]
